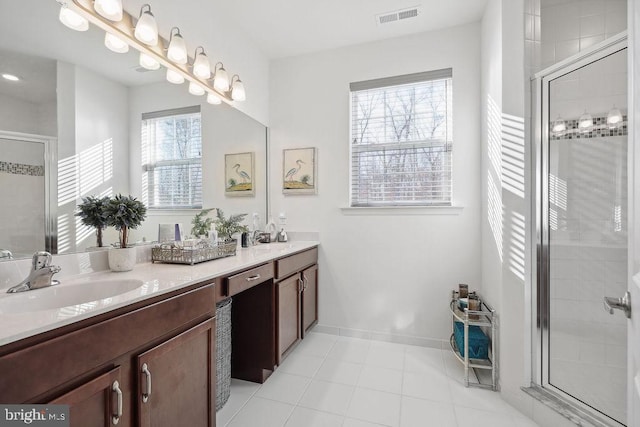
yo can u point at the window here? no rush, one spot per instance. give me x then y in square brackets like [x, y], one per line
[401, 140]
[172, 158]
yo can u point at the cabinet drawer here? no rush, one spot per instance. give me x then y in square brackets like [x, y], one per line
[295, 263]
[248, 279]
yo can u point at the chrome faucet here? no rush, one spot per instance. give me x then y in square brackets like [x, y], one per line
[40, 276]
[5, 253]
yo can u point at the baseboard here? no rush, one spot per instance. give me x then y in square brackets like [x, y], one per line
[383, 336]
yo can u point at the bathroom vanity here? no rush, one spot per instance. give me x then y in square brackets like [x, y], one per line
[147, 357]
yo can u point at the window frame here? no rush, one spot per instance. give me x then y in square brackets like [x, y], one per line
[446, 144]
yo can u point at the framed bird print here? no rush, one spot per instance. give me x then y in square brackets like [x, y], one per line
[238, 174]
[299, 171]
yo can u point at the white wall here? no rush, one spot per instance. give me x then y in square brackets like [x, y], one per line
[92, 149]
[18, 115]
[383, 273]
[224, 131]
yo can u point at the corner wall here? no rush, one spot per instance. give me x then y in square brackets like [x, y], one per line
[385, 274]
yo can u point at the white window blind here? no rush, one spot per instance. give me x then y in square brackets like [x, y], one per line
[401, 140]
[172, 158]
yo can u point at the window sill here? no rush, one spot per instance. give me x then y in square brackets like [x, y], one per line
[403, 210]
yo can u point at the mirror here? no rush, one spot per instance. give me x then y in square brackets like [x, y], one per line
[76, 114]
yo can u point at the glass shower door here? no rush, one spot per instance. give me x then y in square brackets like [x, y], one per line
[586, 227]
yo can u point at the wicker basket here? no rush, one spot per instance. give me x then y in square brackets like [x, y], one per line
[223, 352]
[170, 254]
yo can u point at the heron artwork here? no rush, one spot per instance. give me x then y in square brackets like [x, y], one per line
[293, 171]
[242, 174]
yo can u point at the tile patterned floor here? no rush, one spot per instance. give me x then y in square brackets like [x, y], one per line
[331, 381]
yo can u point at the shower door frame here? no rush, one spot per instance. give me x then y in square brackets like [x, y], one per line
[541, 277]
[50, 145]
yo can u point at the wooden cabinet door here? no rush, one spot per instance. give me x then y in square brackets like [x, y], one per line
[288, 298]
[309, 298]
[96, 403]
[176, 380]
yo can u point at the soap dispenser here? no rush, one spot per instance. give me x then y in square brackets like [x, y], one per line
[271, 229]
[282, 235]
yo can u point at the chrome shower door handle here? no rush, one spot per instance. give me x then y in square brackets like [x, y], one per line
[623, 304]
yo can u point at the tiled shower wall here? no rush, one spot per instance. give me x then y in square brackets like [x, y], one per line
[570, 26]
[21, 218]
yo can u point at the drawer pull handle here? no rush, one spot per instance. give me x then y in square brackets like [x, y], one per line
[253, 278]
[115, 419]
[300, 285]
[305, 281]
[147, 373]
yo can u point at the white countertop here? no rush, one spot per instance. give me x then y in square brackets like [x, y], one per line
[18, 321]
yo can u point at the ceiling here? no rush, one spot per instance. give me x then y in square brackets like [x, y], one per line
[293, 27]
[278, 28]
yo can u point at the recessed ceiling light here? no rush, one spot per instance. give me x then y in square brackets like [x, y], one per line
[10, 77]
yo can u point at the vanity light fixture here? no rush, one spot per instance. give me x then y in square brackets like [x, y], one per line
[120, 34]
[201, 66]
[10, 77]
[614, 118]
[115, 44]
[214, 99]
[559, 126]
[110, 9]
[220, 78]
[196, 89]
[177, 51]
[237, 89]
[72, 20]
[147, 28]
[174, 77]
[585, 122]
[148, 62]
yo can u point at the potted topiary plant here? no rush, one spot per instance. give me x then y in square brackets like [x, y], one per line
[91, 213]
[227, 227]
[124, 213]
[201, 224]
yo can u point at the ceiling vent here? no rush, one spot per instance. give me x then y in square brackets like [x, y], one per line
[397, 15]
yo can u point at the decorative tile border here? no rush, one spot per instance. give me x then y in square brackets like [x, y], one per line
[21, 169]
[600, 129]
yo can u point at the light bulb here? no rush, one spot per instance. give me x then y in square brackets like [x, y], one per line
[72, 20]
[237, 91]
[148, 62]
[214, 99]
[221, 79]
[177, 51]
[110, 9]
[559, 126]
[614, 118]
[195, 89]
[585, 123]
[174, 77]
[115, 44]
[201, 66]
[147, 27]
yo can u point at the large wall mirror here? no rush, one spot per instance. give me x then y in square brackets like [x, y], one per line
[71, 127]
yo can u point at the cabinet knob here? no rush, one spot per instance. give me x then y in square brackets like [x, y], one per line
[115, 418]
[147, 390]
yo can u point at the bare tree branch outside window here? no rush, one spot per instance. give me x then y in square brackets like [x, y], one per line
[175, 169]
[401, 144]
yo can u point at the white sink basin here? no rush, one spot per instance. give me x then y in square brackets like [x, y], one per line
[59, 296]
